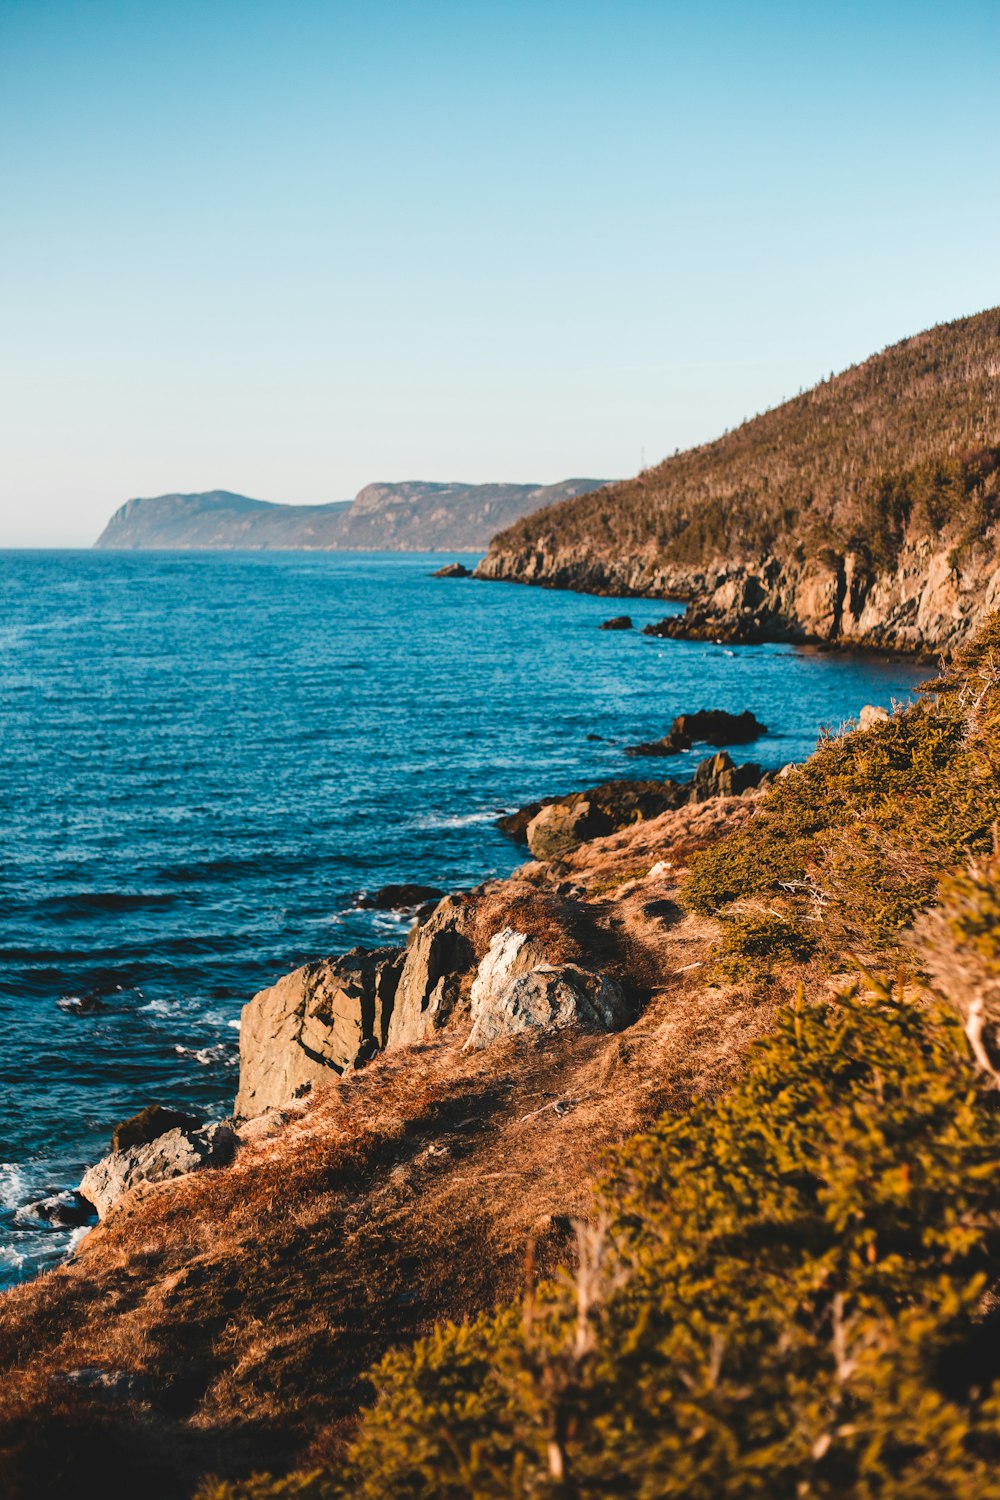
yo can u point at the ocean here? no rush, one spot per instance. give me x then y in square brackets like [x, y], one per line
[208, 756]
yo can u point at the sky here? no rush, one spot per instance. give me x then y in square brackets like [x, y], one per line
[289, 247]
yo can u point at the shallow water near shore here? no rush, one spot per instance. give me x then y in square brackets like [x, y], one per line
[207, 756]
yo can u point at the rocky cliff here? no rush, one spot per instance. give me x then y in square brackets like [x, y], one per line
[863, 512]
[412, 516]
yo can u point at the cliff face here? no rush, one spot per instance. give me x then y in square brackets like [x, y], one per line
[412, 516]
[927, 602]
[863, 512]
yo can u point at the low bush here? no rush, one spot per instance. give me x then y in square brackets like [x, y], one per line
[781, 1296]
[863, 831]
[752, 940]
[781, 1299]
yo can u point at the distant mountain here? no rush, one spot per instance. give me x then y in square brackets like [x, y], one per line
[408, 517]
[865, 511]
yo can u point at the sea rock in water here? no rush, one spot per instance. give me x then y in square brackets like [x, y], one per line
[171, 1155]
[67, 1210]
[453, 570]
[671, 744]
[512, 992]
[618, 622]
[314, 1025]
[148, 1124]
[713, 726]
[717, 727]
[397, 897]
[438, 955]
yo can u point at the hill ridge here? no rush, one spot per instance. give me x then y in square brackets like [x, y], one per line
[407, 515]
[861, 511]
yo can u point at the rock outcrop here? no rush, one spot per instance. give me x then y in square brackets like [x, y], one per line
[314, 1025]
[149, 1124]
[864, 512]
[720, 777]
[172, 1154]
[561, 826]
[929, 602]
[439, 953]
[513, 992]
[612, 805]
[452, 570]
[618, 622]
[554, 828]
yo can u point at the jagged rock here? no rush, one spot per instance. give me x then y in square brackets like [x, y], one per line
[513, 992]
[453, 570]
[438, 954]
[714, 726]
[148, 1124]
[618, 622]
[314, 1025]
[719, 777]
[171, 1155]
[613, 804]
[871, 715]
[562, 826]
[671, 744]
[509, 955]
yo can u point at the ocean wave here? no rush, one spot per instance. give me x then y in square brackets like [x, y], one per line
[219, 1053]
[13, 1185]
[441, 821]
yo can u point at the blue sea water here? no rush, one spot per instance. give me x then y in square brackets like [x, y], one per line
[205, 757]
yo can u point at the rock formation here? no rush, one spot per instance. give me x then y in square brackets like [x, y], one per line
[172, 1154]
[713, 726]
[314, 1025]
[513, 992]
[438, 954]
[149, 1124]
[865, 511]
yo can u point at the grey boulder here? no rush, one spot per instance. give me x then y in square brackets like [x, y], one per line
[513, 992]
[171, 1155]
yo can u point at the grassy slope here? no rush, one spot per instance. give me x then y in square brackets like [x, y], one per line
[783, 1293]
[909, 437]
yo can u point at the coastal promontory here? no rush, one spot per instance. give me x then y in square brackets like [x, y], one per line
[409, 516]
[861, 512]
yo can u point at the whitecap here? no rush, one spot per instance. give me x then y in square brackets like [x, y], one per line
[13, 1185]
[464, 820]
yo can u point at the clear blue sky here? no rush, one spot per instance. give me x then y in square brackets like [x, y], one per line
[288, 247]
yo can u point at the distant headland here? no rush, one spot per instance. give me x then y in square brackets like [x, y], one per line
[411, 516]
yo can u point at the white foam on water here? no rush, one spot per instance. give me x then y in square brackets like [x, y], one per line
[13, 1185]
[206, 1056]
[465, 820]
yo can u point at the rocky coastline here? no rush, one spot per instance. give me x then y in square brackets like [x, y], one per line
[458, 969]
[929, 603]
[409, 1119]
